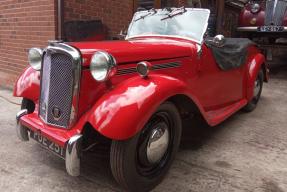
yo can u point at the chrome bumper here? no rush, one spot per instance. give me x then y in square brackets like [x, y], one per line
[73, 147]
[22, 132]
[73, 155]
[254, 29]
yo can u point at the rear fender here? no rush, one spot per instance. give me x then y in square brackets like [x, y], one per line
[28, 85]
[256, 64]
[122, 112]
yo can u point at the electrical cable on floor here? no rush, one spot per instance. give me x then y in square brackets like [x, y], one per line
[9, 101]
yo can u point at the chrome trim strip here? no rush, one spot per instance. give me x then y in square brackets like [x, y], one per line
[131, 70]
[22, 132]
[126, 71]
[247, 28]
[166, 65]
[255, 29]
[73, 155]
[76, 56]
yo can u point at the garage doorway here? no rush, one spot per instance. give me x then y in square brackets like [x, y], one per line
[148, 4]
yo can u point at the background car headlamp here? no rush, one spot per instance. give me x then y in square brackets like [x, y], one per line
[35, 58]
[102, 66]
[255, 8]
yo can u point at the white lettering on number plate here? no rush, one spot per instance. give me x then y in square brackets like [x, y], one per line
[48, 144]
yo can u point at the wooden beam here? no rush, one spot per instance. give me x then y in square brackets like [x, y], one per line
[204, 4]
[220, 16]
[135, 4]
[157, 4]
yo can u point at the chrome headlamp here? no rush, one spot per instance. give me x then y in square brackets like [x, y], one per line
[35, 58]
[103, 65]
[255, 8]
[143, 68]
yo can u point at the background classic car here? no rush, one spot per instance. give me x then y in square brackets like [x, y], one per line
[265, 18]
[134, 93]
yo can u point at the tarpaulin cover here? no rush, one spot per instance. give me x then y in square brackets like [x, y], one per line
[232, 54]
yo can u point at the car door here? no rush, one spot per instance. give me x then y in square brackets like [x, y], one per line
[217, 88]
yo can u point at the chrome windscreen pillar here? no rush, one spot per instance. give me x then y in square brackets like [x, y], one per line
[22, 132]
[73, 152]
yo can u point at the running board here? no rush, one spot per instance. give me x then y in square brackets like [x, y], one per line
[217, 116]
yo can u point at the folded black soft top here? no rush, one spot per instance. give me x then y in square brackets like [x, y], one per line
[232, 54]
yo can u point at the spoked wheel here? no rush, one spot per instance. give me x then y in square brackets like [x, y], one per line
[140, 163]
[258, 86]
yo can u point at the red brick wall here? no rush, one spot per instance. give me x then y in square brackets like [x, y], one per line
[23, 24]
[31, 23]
[116, 15]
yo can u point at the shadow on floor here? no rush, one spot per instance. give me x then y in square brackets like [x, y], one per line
[196, 133]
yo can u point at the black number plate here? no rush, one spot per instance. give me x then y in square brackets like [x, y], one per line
[47, 144]
[271, 29]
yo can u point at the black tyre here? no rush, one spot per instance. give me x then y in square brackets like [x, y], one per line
[140, 163]
[258, 86]
[28, 104]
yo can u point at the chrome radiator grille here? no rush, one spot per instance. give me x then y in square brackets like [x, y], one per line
[275, 12]
[58, 89]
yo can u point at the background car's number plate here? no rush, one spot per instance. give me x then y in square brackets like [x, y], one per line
[270, 29]
[46, 143]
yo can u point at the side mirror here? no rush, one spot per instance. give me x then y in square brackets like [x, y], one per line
[219, 40]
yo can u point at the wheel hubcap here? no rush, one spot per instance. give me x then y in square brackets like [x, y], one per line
[256, 87]
[154, 146]
[157, 143]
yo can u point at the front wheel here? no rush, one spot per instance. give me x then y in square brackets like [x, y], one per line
[140, 163]
[28, 104]
[258, 86]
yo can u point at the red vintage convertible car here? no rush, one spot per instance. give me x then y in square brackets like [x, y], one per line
[134, 93]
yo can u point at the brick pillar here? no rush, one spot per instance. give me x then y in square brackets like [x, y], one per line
[23, 24]
[220, 16]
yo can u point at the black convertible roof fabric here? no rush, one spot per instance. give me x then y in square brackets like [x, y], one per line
[232, 54]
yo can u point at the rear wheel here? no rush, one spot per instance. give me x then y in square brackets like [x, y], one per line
[258, 86]
[140, 163]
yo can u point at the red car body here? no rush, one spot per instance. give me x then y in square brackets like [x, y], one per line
[128, 99]
[134, 93]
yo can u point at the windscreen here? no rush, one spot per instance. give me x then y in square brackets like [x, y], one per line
[177, 22]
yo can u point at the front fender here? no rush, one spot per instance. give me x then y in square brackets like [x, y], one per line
[28, 85]
[123, 111]
[256, 64]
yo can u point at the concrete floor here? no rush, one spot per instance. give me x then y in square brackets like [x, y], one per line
[248, 152]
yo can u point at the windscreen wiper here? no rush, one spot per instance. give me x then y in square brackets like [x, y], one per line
[150, 12]
[175, 12]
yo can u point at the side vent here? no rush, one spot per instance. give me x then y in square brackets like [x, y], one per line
[132, 70]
